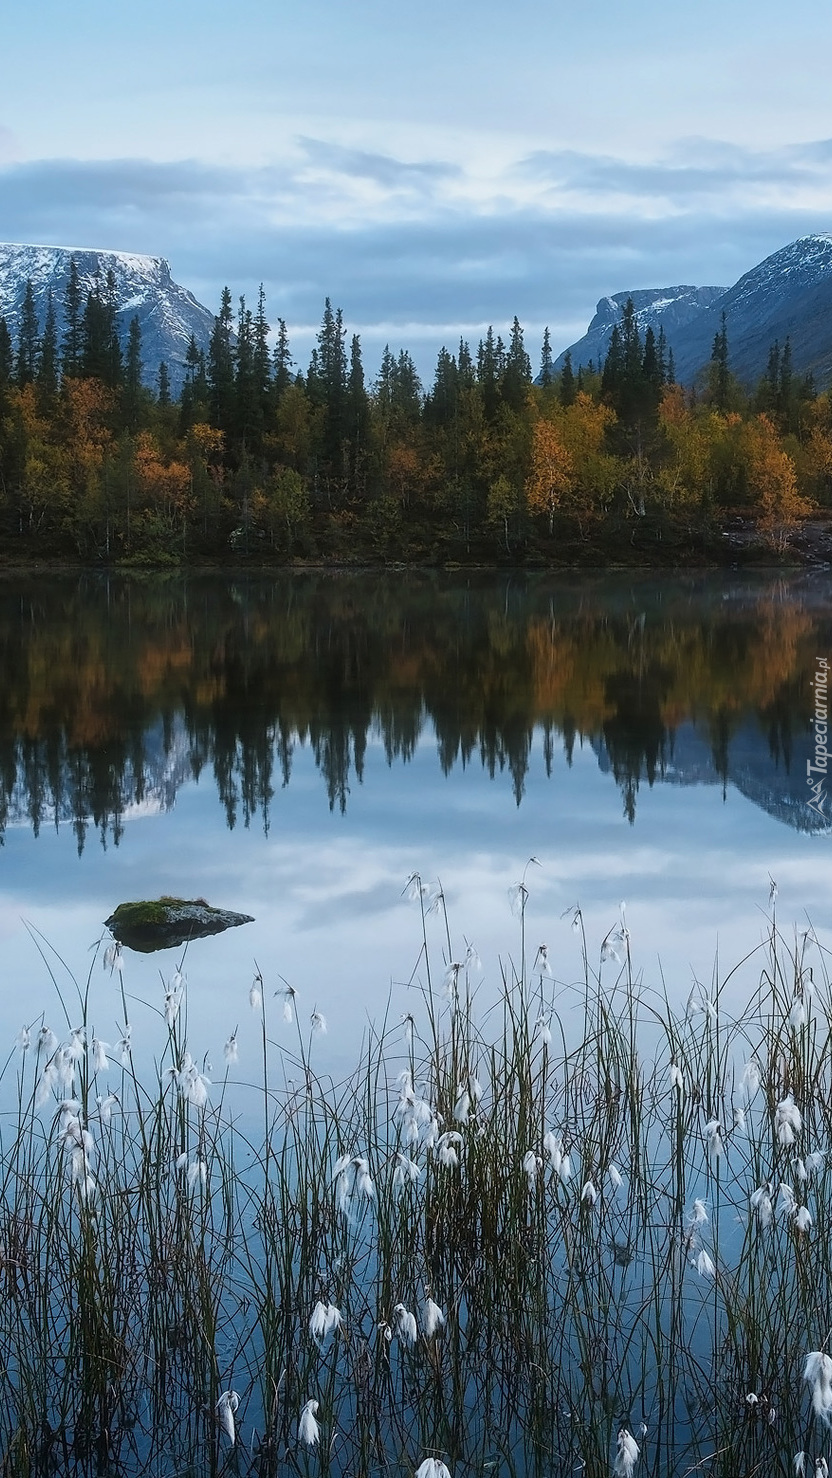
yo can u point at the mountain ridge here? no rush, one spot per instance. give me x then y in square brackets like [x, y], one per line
[786, 295]
[168, 313]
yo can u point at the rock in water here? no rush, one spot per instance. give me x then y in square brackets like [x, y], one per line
[164, 923]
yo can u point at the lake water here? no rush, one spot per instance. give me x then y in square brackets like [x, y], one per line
[296, 747]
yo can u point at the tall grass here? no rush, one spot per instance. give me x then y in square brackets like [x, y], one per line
[534, 1214]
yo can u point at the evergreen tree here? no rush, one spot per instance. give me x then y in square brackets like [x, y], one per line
[248, 406]
[613, 372]
[163, 381]
[547, 367]
[465, 367]
[6, 365]
[489, 372]
[220, 368]
[282, 361]
[331, 387]
[115, 363]
[261, 360]
[719, 372]
[517, 371]
[133, 376]
[441, 403]
[28, 340]
[71, 342]
[100, 348]
[567, 389]
[357, 419]
[47, 375]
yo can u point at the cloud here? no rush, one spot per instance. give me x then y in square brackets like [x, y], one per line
[381, 169]
[418, 254]
[695, 171]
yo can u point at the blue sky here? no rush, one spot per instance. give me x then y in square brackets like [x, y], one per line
[431, 168]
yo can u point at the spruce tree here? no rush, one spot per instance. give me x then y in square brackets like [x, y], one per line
[719, 373]
[547, 367]
[220, 368]
[71, 342]
[28, 338]
[47, 375]
[282, 361]
[517, 372]
[133, 376]
[567, 389]
[357, 419]
[163, 381]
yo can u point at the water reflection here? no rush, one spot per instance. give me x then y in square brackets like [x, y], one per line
[116, 693]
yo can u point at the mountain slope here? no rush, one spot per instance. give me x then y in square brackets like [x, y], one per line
[168, 314]
[789, 295]
[670, 308]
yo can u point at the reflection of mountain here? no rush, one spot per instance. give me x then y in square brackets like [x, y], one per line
[775, 781]
[113, 693]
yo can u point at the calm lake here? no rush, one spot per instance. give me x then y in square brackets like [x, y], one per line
[296, 747]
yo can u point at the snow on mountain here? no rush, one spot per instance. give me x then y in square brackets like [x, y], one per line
[789, 295]
[669, 308]
[168, 314]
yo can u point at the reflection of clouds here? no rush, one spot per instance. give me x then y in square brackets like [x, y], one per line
[326, 891]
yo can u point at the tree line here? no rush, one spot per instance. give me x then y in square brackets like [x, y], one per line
[264, 459]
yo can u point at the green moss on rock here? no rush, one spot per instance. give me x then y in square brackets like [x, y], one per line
[164, 923]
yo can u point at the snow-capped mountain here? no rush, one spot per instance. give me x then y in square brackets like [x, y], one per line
[669, 308]
[789, 295]
[168, 314]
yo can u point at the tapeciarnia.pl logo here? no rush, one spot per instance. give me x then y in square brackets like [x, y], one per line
[816, 773]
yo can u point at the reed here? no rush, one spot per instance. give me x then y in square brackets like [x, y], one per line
[499, 1246]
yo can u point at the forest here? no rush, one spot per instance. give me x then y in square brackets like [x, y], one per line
[261, 461]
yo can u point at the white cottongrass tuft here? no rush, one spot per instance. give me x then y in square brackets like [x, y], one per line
[432, 1318]
[614, 1177]
[255, 995]
[446, 1148]
[704, 1265]
[787, 1121]
[309, 1431]
[803, 1219]
[589, 1194]
[431, 1467]
[713, 1139]
[325, 1319]
[751, 1078]
[318, 1021]
[698, 1215]
[353, 1183]
[817, 1372]
[542, 964]
[406, 1173]
[404, 1324]
[762, 1204]
[677, 1078]
[230, 1051]
[225, 1409]
[532, 1165]
[626, 1454]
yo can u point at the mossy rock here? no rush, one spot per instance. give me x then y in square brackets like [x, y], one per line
[164, 923]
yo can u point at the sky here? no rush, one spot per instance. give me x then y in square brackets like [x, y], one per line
[432, 168]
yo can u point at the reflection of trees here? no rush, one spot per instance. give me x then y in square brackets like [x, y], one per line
[248, 672]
